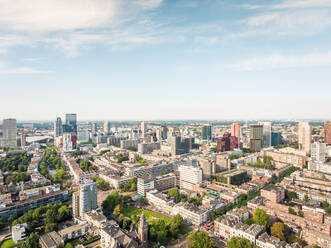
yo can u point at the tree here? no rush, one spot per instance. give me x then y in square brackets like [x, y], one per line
[291, 195]
[117, 210]
[325, 204]
[306, 198]
[277, 230]
[260, 217]
[291, 211]
[31, 241]
[68, 245]
[49, 227]
[238, 242]
[175, 224]
[174, 193]
[63, 213]
[200, 240]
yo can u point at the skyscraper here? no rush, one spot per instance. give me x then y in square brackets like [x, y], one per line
[106, 127]
[276, 138]
[87, 197]
[71, 123]
[206, 132]
[318, 152]
[143, 128]
[9, 133]
[304, 137]
[256, 137]
[227, 143]
[58, 128]
[266, 133]
[94, 128]
[179, 145]
[327, 133]
[235, 130]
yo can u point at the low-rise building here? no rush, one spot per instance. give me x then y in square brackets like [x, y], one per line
[74, 231]
[51, 240]
[191, 213]
[18, 232]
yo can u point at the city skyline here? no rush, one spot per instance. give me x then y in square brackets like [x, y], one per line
[162, 59]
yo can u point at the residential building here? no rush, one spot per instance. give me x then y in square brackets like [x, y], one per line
[51, 240]
[147, 148]
[159, 183]
[160, 201]
[143, 128]
[235, 130]
[18, 232]
[9, 133]
[189, 176]
[273, 193]
[87, 197]
[304, 137]
[191, 213]
[67, 142]
[106, 127]
[74, 232]
[256, 137]
[318, 152]
[227, 143]
[130, 143]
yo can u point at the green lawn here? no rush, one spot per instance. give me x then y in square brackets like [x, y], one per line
[9, 243]
[129, 211]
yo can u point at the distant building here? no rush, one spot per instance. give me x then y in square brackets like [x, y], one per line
[58, 128]
[207, 132]
[304, 137]
[147, 148]
[276, 138]
[143, 128]
[9, 133]
[227, 143]
[327, 133]
[256, 137]
[70, 124]
[235, 130]
[106, 127]
[266, 134]
[67, 142]
[23, 140]
[180, 145]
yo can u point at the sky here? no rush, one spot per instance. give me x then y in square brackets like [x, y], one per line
[165, 59]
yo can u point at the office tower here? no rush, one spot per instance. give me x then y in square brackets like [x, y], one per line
[75, 204]
[276, 138]
[318, 152]
[58, 128]
[235, 130]
[71, 123]
[256, 137]
[327, 133]
[87, 197]
[94, 128]
[9, 133]
[143, 232]
[23, 140]
[266, 134]
[164, 132]
[206, 132]
[143, 128]
[106, 127]
[179, 145]
[304, 137]
[227, 143]
[189, 176]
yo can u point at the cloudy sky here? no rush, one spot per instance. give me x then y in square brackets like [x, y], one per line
[165, 59]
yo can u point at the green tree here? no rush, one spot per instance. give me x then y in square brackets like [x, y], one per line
[49, 227]
[325, 204]
[291, 211]
[68, 245]
[117, 210]
[277, 230]
[306, 198]
[175, 224]
[260, 217]
[31, 241]
[200, 240]
[63, 213]
[238, 242]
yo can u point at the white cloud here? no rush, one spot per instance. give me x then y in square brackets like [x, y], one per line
[5, 69]
[291, 4]
[31, 59]
[280, 61]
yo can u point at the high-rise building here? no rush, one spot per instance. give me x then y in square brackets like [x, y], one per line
[143, 128]
[266, 134]
[71, 123]
[180, 145]
[9, 133]
[67, 142]
[164, 132]
[276, 138]
[75, 204]
[256, 137]
[206, 132]
[235, 130]
[94, 128]
[87, 197]
[58, 128]
[318, 152]
[227, 143]
[327, 133]
[189, 176]
[106, 127]
[23, 140]
[304, 137]
[143, 232]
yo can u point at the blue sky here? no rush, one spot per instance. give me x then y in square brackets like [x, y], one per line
[165, 59]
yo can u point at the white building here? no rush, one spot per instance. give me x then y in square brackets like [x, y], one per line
[9, 133]
[189, 176]
[318, 152]
[67, 142]
[18, 232]
[266, 133]
[191, 213]
[160, 201]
